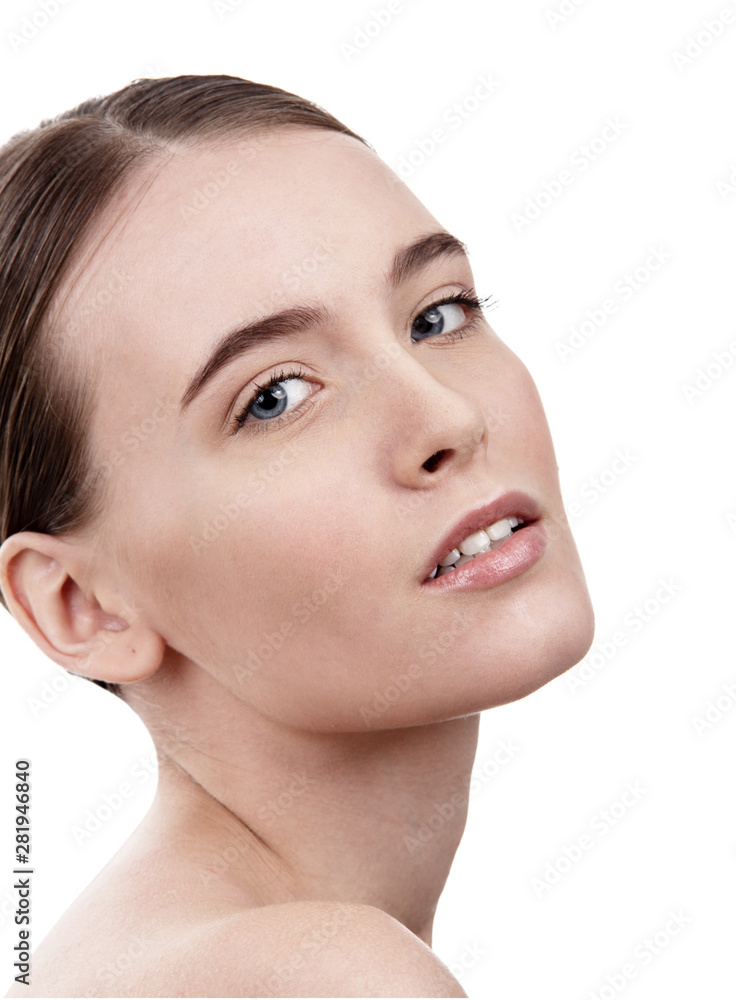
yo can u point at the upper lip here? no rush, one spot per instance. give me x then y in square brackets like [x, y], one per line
[512, 503]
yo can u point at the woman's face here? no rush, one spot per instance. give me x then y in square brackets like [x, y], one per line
[286, 557]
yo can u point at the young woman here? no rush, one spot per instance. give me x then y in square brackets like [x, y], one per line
[269, 476]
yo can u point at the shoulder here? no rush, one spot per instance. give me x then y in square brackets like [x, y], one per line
[311, 949]
[296, 949]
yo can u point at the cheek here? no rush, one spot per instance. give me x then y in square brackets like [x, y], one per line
[282, 602]
[296, 608]
[261, 582]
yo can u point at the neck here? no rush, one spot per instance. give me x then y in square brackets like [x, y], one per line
[370, 818]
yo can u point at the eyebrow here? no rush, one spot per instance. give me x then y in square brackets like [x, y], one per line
[407, 261]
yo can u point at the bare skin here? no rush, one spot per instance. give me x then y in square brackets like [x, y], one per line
[281, 855]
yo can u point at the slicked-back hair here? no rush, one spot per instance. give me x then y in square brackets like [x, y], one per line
[55, 182]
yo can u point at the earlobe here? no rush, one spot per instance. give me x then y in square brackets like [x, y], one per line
[43, 587]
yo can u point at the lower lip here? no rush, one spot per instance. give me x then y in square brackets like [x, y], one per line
[514, 557]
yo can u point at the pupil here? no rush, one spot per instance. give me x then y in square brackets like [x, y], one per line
[278, 394]
[428, 319]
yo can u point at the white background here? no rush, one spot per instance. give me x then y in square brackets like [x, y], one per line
[669, 514]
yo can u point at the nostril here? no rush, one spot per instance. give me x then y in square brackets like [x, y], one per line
[433, 461]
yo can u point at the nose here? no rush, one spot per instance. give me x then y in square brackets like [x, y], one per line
[428, 427]
[434, 460]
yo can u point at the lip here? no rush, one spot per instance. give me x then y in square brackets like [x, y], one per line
[512, 503]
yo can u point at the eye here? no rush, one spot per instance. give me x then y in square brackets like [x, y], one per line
[272, 403]
[283, 398]
[448, 316]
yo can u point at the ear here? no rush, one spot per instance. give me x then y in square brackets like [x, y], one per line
[43, 579]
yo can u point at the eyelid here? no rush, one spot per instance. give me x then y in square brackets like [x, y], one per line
[258, 385]
[465, 296]
[465, 293]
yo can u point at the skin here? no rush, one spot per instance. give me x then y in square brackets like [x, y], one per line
[286, 796]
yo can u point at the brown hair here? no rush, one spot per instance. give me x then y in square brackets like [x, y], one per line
[55, 181]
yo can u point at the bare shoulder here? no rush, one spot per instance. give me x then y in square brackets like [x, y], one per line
[295, 949]
[311, 949]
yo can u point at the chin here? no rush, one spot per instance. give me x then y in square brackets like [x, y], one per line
[549, 633]
[558, 647]
[545, 632]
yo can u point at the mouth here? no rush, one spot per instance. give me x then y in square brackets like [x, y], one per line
[485, 528]
[476, 544]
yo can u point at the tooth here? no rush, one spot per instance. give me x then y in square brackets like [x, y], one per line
[478, 542]
[499, 530]
[433, 574]
[451, 558]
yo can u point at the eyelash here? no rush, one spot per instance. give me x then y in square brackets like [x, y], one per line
[465, 298]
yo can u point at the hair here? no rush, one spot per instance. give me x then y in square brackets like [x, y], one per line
[55, 182]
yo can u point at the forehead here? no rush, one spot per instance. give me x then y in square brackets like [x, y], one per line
[209, 237]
